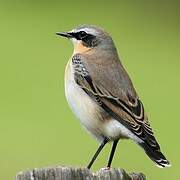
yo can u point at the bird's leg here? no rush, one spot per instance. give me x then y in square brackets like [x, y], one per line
[112, 153]
[97, 152]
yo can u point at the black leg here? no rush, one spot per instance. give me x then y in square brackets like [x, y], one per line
[97, 153]
[112, 153]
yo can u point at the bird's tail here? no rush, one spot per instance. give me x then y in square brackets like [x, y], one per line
[155, 155]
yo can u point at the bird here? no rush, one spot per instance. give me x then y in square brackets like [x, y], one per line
[101, 94]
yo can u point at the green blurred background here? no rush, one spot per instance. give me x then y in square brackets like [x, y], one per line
[37, 128]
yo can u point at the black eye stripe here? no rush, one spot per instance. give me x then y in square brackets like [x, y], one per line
[88, 40]
[82, 34]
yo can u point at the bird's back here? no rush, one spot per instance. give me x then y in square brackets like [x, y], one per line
[107, 71]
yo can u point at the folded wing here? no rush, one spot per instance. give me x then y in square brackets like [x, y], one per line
[130, 113]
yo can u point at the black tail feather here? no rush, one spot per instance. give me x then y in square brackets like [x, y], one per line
[155, 155]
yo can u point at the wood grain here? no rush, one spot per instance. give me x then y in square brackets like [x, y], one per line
[72, 173]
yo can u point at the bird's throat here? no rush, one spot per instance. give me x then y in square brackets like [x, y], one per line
[80, 48]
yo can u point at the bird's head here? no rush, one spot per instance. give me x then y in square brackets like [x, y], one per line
[88, 37]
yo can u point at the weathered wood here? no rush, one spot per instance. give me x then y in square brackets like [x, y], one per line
[71, 173]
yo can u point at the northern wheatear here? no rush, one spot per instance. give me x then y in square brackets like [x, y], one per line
[101, 94]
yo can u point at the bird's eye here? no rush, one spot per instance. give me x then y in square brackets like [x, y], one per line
[82, 34]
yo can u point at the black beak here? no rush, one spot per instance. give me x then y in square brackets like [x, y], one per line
[65, 34]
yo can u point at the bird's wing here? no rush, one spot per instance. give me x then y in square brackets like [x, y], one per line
[127, 110]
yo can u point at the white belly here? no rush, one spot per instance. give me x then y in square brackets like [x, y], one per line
[81, 104]
[88, 112]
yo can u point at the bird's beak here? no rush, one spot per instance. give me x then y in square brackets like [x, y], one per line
[65, 34]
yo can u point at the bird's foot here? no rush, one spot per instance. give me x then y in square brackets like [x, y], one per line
[105, 168]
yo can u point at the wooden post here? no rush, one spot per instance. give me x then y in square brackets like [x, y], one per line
[71, 173]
